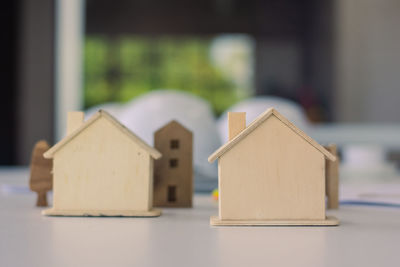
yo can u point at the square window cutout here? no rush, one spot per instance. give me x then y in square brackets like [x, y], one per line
[173, 163]
[174, 144]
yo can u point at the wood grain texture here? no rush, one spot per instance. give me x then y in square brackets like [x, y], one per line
[272, 175]
[41, 179]
[173, 185]
[104, 115]
[332, 179]
[328, 221]
[102, 170]
[236, 123]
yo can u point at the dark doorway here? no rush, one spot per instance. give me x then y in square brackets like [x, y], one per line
[171, 193]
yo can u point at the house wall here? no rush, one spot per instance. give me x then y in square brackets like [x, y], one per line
[272, 173]
[182, 175]
[102, 169]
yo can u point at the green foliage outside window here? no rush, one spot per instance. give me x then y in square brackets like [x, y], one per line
[117, 70]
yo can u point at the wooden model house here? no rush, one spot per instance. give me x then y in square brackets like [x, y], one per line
[270, 173]
[173, 173]
[101, 169]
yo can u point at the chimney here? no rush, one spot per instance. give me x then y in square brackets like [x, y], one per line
[74, 120]
[236, 123]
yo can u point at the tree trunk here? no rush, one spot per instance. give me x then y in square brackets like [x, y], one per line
[42, 199]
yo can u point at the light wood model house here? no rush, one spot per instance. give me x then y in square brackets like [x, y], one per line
[270, 173]
[173, 173]
[101, 169]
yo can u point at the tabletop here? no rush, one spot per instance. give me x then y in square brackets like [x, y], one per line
[367, 236]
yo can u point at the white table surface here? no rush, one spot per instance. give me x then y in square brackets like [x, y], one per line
[367, 236]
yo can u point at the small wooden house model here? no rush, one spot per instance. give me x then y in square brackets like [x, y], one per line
[173, 173]
[270, 173]
[101, 169]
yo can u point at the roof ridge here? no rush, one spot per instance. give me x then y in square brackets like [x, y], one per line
[171, 122]
[102, 113]
[256, 122]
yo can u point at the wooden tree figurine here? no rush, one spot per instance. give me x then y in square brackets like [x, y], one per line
[41, 179]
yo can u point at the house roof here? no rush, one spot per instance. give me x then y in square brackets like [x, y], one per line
[102, 114]
[257, 122]
[173, 123]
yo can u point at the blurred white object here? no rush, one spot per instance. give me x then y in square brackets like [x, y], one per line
[255, 106]
[360, 155]
[69, 36]
[364, 148]
[366, 161]
[146, 114]
[386, 135]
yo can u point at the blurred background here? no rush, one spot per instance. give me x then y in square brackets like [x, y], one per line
[332, 66]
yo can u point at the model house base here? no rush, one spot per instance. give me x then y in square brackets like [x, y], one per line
[329, 221]
[111, 213]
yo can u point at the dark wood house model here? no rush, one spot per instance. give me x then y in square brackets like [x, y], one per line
[173, 173]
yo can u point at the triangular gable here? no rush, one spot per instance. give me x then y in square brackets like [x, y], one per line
[171, 124]
[101, 113]
[258, 121]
